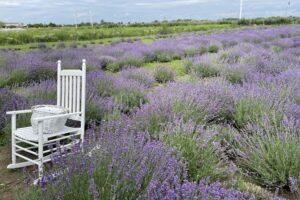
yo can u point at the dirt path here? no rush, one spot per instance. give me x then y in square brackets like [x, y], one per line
[10, 180]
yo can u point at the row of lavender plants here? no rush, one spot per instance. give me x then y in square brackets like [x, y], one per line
[230, 133]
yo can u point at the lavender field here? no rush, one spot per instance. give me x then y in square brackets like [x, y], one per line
[188, 116]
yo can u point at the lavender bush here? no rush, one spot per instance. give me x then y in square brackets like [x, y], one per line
[164, 74]
[209, 118]
[271, 155]
[135, 168]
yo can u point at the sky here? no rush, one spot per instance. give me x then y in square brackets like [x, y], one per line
[76, 11]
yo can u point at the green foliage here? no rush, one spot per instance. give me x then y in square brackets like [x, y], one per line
[249, 110]
[104, 87]
[16, 78]
[213, 49]
[164, 74]
[196, 51]
[60, 45]
[189, 111]
[276, 49]
[128, 98]
[83, 33]
[297, 100]
[235, 76]
[42, 46]
[22, 121]
[204, 70]
[129, 62]
[271, 155]
[106, 181]
[41, 74]
[202, 162]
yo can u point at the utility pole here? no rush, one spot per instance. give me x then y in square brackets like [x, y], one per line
[75, 18]
[91, 19]
[288, 8]
[241, 9]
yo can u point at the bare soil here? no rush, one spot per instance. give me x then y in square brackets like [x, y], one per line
[10, 180]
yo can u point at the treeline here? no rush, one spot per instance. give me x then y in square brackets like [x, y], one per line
[179, 22]
[270, 21]
[41, 33]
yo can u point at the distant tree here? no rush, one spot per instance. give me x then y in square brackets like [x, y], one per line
[52, 24]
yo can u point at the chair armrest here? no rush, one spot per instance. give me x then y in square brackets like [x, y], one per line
[18, 112]
[39, 119]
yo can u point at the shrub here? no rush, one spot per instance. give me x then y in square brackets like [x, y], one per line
[128, 62]
[195, 51]
[99, 109]
[9, 101]
[129, 98]
[41, 74]
[213, 49]
[140, 75]
[41, 93]
[73, 45]
[104, 86]
[164, 74]
[60, 45]
[16, 78]
[204, 70]
[297, 100]
[248, 110]
[121, 165]
[271, 156]
[195, 145]
[42, 46]
[235, 76]
[106, 61]
[118, 163]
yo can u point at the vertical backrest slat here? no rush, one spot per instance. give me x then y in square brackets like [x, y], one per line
[78, 94]
[74, 94]
[63, 83]
[70, 93]
[67, 93]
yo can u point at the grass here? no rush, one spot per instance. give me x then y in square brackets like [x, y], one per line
[84, 43]
[176, 65]
[25, 39]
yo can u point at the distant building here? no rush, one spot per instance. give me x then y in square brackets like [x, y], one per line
[13, 25]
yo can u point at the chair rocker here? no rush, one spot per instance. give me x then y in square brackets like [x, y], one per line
[71, 95]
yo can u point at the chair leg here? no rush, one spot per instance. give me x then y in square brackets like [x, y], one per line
[40, 148]
[13, 139]
[41, 170]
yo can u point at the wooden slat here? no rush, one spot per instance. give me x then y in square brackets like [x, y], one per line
[78, 94]
[71, 72]
[70, 93]
[63, 91]
[74, 94]
[58, 88]
[67, 93]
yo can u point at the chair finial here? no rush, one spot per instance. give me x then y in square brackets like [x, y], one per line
[84, 64]
[59, 64]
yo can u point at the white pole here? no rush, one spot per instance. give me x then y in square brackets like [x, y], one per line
[91, 19]
[75, 18]
[289, 8]
[241, 9]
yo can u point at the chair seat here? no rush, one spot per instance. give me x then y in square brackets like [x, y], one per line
[27, 133]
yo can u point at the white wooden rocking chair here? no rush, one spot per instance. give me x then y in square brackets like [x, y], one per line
[71, 95]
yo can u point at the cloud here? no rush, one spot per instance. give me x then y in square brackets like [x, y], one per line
[171, 3]
[63, 11]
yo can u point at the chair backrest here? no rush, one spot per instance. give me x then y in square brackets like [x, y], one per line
[71, 88]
